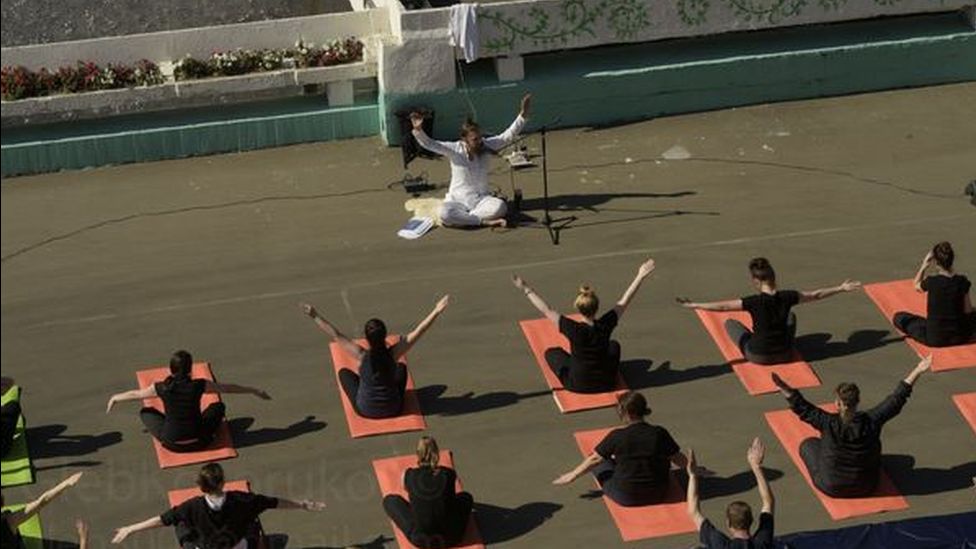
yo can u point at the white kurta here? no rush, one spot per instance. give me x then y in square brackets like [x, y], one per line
[468, 200]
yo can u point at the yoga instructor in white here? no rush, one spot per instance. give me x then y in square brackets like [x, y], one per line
[468, 202]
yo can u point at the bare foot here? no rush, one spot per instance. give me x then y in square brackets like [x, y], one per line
[497, 223]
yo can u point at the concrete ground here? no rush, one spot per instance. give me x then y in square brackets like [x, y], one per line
[108, 271]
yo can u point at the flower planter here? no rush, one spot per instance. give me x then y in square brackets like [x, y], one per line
[231, 85]
[70, 106]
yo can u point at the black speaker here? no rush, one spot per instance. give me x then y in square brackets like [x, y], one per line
[409, 147]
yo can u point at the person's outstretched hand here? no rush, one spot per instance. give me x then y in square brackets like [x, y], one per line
[524, 107]
[756, 452]
[310, 505]
[646, 267]
[73, 479]
[692, 464]
[850, 285]
[519, 283]
[563, 479]
[925, 364]
[121, 534]
[308, 310]
[442, 303]
[417, 121]
[782, 385]
[929, 257]
[684, 302]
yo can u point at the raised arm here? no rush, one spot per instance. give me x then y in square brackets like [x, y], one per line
[643, 272]
[496, 142]
[234, 389]
[443, 148]
[348, 345]
[730, 305]
[82, 529]
[694, 506]
[408, 342]
[536, 300]
[807, 412]
[824, 293]
[34, 507]
[301, 505]
[920, 273]
[126, 531]
[755, 455]
[588, 463]
[134, 394]
[892, 404]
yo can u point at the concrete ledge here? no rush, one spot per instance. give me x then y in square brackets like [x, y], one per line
[177, 95]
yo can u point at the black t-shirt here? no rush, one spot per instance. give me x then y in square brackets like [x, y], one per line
[9, 536]
[642, 457]
[379, 393]
[181, 397]
[432, 498]
[946, 324]
[221, 529]
[591, 367]
[711, 538]
[769, 313]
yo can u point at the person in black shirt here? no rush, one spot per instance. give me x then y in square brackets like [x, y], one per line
[773, 322]
[183, 427]
[845, 462]
[9, 416]
[950, 318]
[593, 362]
[11, 520]
[632, 463]
[216, 519]
[435, 516]
[377, 390]
[738, 514]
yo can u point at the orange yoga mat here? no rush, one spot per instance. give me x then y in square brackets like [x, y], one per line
[410, 418]
[900, 295]
[647, 521]
[222, 446]
[389, 474]
[542, 334]
[756, 378]
[967, 407]
[791, 431]
[177, 497]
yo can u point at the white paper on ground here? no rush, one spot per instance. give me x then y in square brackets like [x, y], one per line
[415, 228]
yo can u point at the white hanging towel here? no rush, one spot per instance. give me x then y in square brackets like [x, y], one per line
[464, 29]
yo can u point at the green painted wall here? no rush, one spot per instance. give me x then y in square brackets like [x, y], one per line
[626, 83]
[160, 136]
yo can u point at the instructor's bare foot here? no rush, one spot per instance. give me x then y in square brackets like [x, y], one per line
[496, 223]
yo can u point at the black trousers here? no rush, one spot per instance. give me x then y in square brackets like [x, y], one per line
[560, 362]
[810, 454]
[9, 415]
[189, 539]
[916, 327]
[604, 475]
[398, 509]
[212, 416]
[741, 335]
[350, 381]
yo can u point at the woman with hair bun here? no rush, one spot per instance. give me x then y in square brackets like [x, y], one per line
[593, 362]
[950, 319]
[632, 463]
[377, 390]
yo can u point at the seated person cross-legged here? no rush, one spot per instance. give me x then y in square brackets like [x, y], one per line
[845, 462]
[632, 463]
[593, 362]
[738, 514]
[950, 319]
[218, 519]
[183, 427]
[378, 390]
[435, 516]
[771, 340]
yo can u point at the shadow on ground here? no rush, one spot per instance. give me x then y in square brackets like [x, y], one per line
[433, 401]
[500, 524]
[818, 346]
[244, 437]
[50, 441]
[638, 373]
[920, 481]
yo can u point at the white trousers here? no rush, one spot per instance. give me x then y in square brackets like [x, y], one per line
[456, 214]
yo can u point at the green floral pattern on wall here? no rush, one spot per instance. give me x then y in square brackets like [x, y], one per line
[548, 25]
[624, 18]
